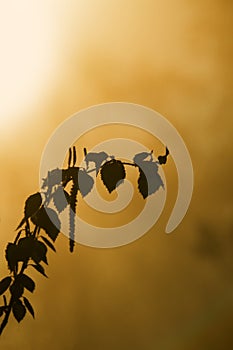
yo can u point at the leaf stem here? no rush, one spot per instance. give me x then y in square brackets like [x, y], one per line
[131, 164]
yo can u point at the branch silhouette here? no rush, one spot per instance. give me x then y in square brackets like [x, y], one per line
[40, 226]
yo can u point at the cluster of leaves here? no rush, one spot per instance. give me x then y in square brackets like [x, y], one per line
[40, 226]
[29, 249]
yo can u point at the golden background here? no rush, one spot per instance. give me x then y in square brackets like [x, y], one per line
[165, 292]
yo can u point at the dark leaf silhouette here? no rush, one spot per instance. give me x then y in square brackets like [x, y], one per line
[85, 182]
[39, 251]
[5, 284]
[32, 205]
[61, 199]
[22, 281]
[27, 282]
[163, 159]
[17, 289]
[19, 310]
[25, 247]
[30, 248]
[112, 174]
[42, 219]
[29, 306]
[49, 244]
[149, 180]
[11, 255]
[142, 184]
[39, 268]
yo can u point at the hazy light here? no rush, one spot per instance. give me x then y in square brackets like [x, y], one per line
[27, 47]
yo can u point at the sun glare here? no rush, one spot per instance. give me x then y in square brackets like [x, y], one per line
[27, 50]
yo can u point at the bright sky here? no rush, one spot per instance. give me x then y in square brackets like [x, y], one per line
[28, 49]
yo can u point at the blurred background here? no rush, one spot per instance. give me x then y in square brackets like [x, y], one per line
[164, 292]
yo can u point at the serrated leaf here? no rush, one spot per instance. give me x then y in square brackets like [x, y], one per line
[29, 306]
[39, 268]
[27, 282]
[61, 199]
[49, 221]
[5, 284]
[112, 174]
[19, 310]
[49, 244]
[32, 204]
[85, 182]
[142, 184]
[11, 255]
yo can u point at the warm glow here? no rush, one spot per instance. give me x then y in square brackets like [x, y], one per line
[27, 46]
